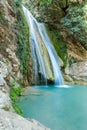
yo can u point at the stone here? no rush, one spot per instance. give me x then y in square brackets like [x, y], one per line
[12, 121]
[79, 70]
[3, 69]
[12, 56]
[67, 69]
[4, 99]
[68, 78]
[15, 67]
[2, 81]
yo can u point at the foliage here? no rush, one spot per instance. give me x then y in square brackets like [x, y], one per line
[22, 39]
[47, 2]
[17, 2]
[50, 11]
[43, 2]
[23, 42]
[15, 92]
[75, 21]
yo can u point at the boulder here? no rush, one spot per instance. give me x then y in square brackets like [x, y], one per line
[5, 102]
[2, 81]
[68, 78]
[79, 71]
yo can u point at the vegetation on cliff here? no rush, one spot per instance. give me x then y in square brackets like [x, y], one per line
[24, 51]
[66, 17]
[75, 21]
[15, 92]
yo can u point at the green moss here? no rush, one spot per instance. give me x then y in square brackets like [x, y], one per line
[59, 44]
[15, 92]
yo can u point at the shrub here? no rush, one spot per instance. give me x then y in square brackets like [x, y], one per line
[24, 52]
[76, 23]
[17, 2]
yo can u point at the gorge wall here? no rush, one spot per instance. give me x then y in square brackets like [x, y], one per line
[66, 25]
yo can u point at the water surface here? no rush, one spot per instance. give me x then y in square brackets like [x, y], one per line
[56, 107]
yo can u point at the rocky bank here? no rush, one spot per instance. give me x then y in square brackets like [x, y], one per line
[12, 121]
[9, 120]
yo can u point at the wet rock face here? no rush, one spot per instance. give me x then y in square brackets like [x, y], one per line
[12, 121]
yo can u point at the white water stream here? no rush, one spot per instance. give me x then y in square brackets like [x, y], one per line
[44, 55]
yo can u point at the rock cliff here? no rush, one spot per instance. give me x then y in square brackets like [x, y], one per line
[9, 62]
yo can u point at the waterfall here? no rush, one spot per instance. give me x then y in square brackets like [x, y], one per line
[45, 58]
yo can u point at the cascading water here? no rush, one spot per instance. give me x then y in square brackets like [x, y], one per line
[46, 66]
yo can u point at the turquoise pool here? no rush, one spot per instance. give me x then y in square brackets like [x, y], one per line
[59, 108]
